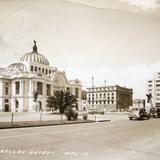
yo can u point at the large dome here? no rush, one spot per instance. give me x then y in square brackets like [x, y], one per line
[34, 56]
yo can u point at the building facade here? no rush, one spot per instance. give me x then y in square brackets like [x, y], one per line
[153, 87]
[32, 73]
[109, 98]
[139, 103]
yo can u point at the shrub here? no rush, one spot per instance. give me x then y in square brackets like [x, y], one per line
[85, 116]
[71, 114]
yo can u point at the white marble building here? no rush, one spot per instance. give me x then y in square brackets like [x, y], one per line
[32, 73]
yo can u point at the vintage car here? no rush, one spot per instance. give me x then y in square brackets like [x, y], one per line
[155, 112]
[138, 113]
[158, 112]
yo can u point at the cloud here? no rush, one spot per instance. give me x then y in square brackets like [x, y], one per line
[145, 4]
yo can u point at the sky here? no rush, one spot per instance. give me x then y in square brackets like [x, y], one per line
[112, 40]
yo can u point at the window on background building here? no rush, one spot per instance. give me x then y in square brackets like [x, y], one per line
[48, 89]
[112, 102]
[31, 68]
[49, 71]
[158, 94]
[150, 85]
[39, 68]
[42, 70]
[157, 85]
[108, 94]
[100, 96]
[157, 80]
[77, 92]
[35, 69]
[17, 87]
[104, 95]
[39, 88]
[100, 102]
[108, 102]
[149, 81]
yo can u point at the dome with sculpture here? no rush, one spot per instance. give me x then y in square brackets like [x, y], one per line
[33, 74]
[35, 57]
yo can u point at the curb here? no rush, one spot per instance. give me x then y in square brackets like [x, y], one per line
[56, 124]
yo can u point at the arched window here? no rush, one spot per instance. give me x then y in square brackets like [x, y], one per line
[39, 88]
[76, 92]
[17, 88]
[48, 89]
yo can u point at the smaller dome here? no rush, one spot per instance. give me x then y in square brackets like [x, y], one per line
[18, 67]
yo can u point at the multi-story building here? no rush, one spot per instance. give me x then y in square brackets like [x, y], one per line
[109, 98]
[32, 73]
[153, 87]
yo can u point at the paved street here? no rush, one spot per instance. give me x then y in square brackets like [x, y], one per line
[114, 140]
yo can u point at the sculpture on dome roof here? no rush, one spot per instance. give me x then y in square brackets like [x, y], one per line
[35, 47]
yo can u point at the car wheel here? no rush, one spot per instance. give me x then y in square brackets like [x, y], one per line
[148, 117]
[130, 118]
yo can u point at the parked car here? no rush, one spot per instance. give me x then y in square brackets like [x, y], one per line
[153, 112]
[96, 111]
[158, 112]
[138, 113]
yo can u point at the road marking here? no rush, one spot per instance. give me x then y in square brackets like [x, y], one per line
[41, 153]
[21, 135]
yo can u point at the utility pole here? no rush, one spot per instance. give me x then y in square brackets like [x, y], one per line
[105, 94]
[92, 91]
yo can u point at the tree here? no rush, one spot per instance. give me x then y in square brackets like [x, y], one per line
[51, 104]
[35, 96]
[62, 100]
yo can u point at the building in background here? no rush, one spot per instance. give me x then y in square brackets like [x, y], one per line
[153, 87]
[32, 73]
[139, 103]
[109, 98]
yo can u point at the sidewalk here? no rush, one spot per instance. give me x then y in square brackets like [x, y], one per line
[22, 124]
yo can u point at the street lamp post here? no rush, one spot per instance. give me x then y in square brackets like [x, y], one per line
[92, 90]
[105, 94]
